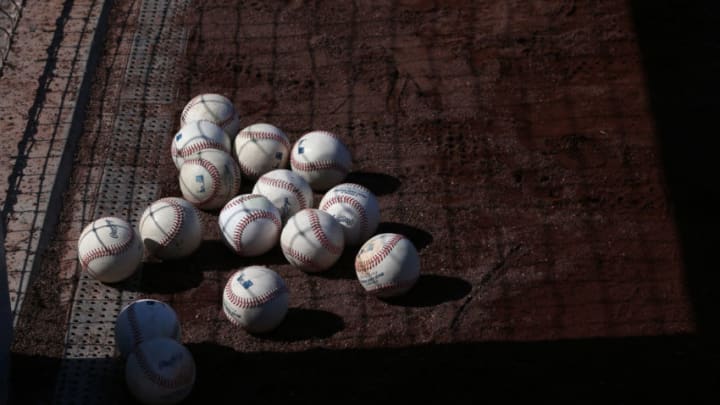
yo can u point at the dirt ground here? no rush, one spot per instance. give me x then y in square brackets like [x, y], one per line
[512, 141]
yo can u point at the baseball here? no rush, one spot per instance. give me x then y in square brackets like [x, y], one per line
[355, 208]
[215, 108]
[110, 249]
[211, 180]
[387, 265]
[256, 299]
[143, 320]
[288, 191]
[250, 224]
[260, 148]
[170, 228]
[312, 240]
[196, 136]
[321, 159]
[160, 371]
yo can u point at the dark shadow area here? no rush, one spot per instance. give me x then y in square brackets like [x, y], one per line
[431, 290]
[417, 236]
[306, 324]
[679, 46]
[598, 371]
[344, 268]
[378, 183]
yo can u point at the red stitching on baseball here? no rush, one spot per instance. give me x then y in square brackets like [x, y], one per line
[320, 234]
[240, 228]
[134, 327]
[319, 165]
[200, 100]
[239, 200]
[250, 172]
[286, 185]
[183, 380]
[251, 302]
[103, 251]
[178, 220]
[363, 266]
[300, 257]
[196, 147]
[265, 135]
[346, 199]
[214, 173]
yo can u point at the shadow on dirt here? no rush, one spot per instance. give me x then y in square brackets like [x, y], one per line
[431, 290]
[306, 324]
[378, 183]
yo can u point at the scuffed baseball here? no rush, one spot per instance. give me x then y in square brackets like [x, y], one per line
[110, 249]
[144, 320]
[250, 224]
[215, 108]
[211, 180]
[387, 265]
[312, 240]
[260, 148]
[288, 191]
[356, 208]
[170, 228]
[321, 158]
[256, 299]
[197, 136]
[160, 371]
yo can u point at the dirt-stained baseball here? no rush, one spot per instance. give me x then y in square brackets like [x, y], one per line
[143, 320]
[355, 208]
[288, 191]
[110, 249]
[261, 148]
[321, 158]
[387, 265]
[312, 240]
[211, 180]
[250, 224]
[256, 299]
[160, 371]
[196, 136]
[170, 228]
[215, 108]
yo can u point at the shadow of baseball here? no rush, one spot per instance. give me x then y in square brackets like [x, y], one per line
[305, 324]
[417, 236]
[378, 183]
[431, 290]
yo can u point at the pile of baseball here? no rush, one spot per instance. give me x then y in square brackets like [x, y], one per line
[214, 156]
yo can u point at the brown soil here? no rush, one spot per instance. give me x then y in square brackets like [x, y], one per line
[512, 141]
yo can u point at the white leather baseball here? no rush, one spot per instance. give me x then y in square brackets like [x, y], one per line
[170, 228]
[211, 180]
[260, 148]
[355, 208]
[196, 136]
[250, 224]
[143, 320]
[312, 240]
[321, 158]
[288, 191]
[215, 108]
[387, 265]
[256, 299]
[110, 249]
[160, 371]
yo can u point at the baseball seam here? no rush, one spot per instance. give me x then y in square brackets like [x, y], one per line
[363, 266]
[239, 200]
[315, 166]
[182, 380]
[247, 170]
[286, 185]
[195, 148]
[200, 100]
[355, 204]
[214, 174]
[104, 251]
[178, 221]
[247, 220]
[265, 135]
[253, 302]
[320, 234]
[134, 327]
[300, 257]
